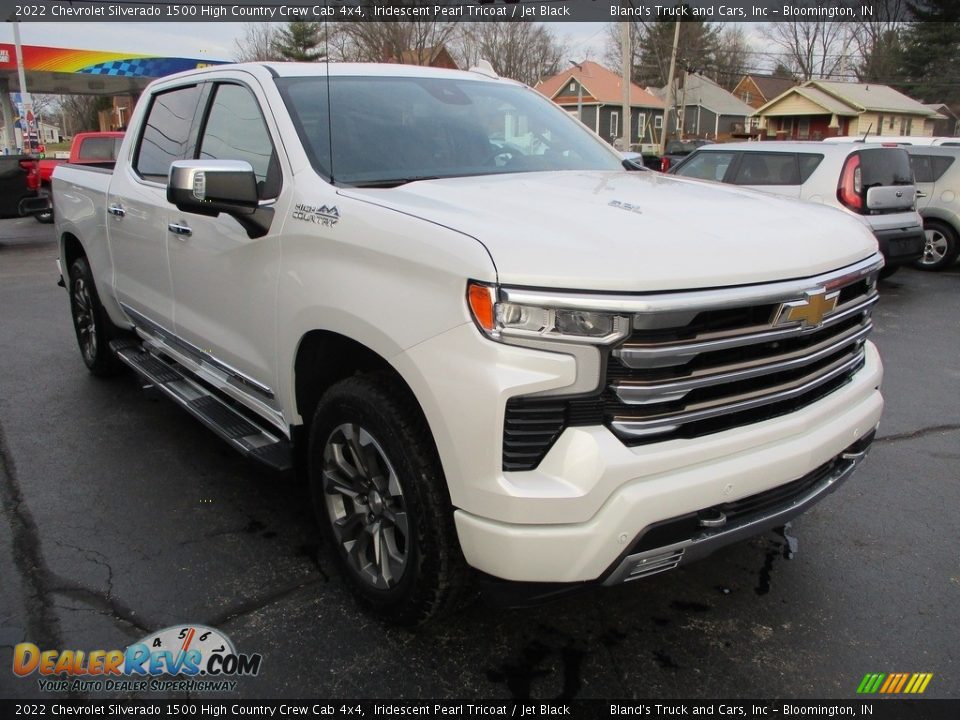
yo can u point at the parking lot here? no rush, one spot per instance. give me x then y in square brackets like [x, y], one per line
[122, 515]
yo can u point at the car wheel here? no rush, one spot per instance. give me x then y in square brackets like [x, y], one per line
[45, 217]
[381, 500]
[93, 328]
[941, 248]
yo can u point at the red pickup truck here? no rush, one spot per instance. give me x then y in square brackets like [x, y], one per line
[88, 148]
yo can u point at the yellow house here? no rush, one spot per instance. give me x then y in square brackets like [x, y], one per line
[826, 108]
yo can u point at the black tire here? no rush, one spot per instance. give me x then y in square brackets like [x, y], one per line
[367, 431]
[45, 217]
[90, 322]
[941, 247]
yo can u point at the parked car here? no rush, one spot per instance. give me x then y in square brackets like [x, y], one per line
[677, 150]
[937, 173]
[874, 183]
[633, 160]
[88, 148]
[19, 181]
[897, 140]
[492, 352]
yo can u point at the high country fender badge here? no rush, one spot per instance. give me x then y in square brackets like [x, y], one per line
[625, 206]
[323, 215]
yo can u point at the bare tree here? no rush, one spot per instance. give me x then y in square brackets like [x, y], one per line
[527, 52]
[81, 112]
[731, 57]
[812, 50]
[257, 44]
[877, 42]
[378, 41]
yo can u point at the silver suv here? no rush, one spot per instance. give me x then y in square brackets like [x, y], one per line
[874, 183]
[937, 173]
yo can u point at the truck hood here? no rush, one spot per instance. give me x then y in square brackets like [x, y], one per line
[632, 231]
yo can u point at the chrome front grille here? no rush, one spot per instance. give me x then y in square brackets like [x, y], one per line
[701, 362]
[658, 387]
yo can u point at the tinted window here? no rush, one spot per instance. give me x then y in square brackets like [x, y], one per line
[235, 130]
[922, 168]
[808, 163]
[767, 169]
[885, 166]
[706, 165]
[389, 129]
[166, 132]
[100, 148]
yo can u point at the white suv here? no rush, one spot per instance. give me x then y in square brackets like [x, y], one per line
[874, 183]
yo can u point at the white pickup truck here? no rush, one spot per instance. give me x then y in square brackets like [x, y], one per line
[500, 355]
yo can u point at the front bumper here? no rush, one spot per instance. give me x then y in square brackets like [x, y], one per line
[901, 245]
[635, 489]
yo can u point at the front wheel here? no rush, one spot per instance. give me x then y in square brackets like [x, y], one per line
[941, 247]
[381, 499]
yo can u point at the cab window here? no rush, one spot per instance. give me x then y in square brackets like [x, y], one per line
[166, 132]
[235, 130]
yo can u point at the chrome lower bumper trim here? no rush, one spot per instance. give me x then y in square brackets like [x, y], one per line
[642, 564]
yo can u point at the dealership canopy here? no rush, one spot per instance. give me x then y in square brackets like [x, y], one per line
[88, 72]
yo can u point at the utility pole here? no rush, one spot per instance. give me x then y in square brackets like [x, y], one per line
[26, 121]
[626, 72]
[666, 111]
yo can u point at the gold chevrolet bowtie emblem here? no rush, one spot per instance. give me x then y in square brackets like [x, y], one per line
[810, 311]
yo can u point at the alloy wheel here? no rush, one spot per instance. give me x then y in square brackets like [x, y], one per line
[84, 320]
[935, 247]
[365, 504]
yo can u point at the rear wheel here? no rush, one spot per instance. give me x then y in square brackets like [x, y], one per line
[941, 247]
[93, 328]
[381, 500]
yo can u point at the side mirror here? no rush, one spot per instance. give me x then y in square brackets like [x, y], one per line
[211, 187]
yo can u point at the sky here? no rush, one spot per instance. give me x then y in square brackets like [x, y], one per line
[215, 41]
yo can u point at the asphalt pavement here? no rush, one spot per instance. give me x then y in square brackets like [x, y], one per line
[122, 515]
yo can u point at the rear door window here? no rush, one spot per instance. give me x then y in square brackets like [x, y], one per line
[99, 148]
[707, 165]
[166, 132]
[762, 168]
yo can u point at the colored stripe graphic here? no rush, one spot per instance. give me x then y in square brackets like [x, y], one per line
[894, 683]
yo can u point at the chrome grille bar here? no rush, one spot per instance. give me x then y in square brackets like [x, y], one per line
[671, 354]
[639, 393]
[640, 427]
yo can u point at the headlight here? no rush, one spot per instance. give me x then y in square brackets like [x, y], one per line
[504, 321]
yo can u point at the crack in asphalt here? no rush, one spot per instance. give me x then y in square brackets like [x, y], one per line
[255, 604]
[91, 556]
[42, 623]
[912, 435]
[106, 603]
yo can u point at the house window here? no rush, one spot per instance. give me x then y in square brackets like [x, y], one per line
[746, 98]
[641, 126]
[891, 122]
[803, 127]
[615, 124]
[658, 122]
[909, 126]
[880, 124]
[573, 87]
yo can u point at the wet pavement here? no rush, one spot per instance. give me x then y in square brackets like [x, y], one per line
[121, 515]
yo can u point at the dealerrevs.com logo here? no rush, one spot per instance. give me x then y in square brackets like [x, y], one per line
[184, 658]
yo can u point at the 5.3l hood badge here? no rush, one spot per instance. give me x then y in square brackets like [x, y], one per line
[810, 311]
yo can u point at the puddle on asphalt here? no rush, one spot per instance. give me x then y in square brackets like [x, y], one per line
[786, 547]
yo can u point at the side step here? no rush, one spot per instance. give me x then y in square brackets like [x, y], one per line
[243, 434]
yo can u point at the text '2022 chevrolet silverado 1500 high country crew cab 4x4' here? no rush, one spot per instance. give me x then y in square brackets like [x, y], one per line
[502, 356]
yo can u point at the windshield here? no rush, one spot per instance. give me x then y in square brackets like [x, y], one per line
[390, 130]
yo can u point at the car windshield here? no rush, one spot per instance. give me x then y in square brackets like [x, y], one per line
[389, 130]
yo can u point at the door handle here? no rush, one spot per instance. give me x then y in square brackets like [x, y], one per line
[182, 230]
[921, 194]
[116, 210]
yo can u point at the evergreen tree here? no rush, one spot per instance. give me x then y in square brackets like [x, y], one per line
[299, 41]
[931, 46]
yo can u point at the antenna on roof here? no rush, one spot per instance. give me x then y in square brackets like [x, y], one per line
[483, 67]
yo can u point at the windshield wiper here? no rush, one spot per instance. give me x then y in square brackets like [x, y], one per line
[391, 182]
